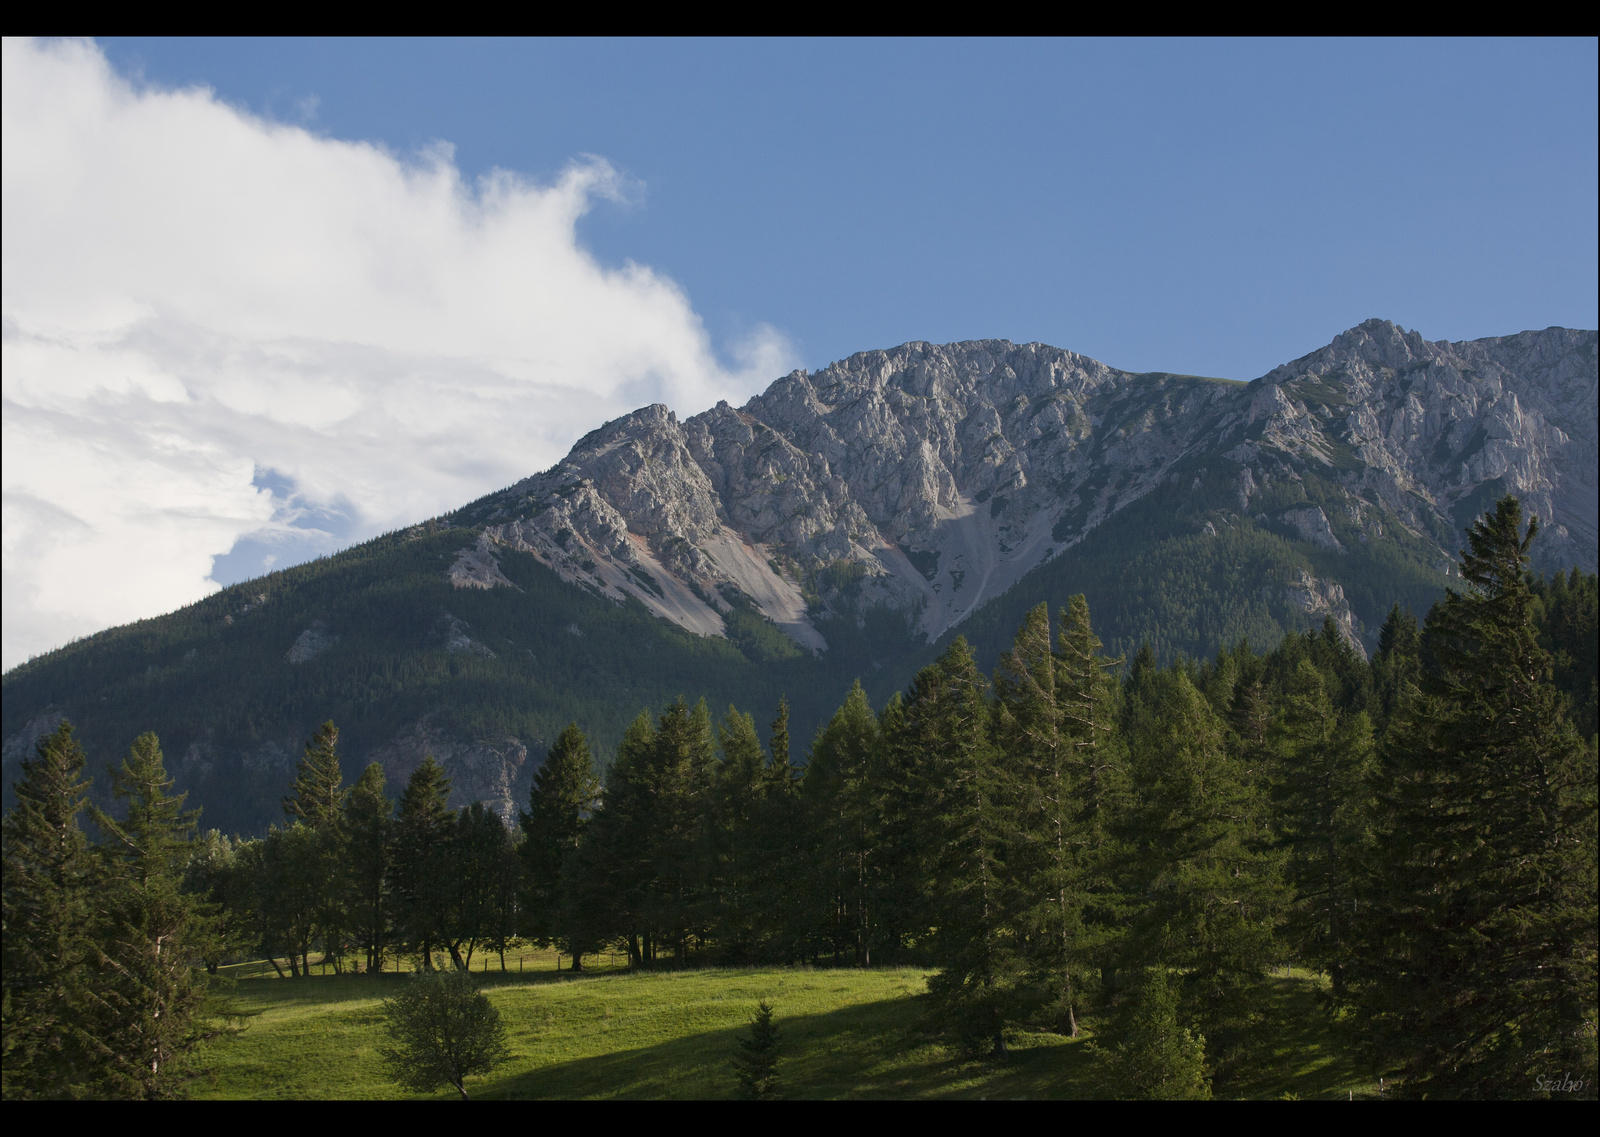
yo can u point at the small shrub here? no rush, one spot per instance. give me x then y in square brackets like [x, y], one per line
[444, 1030]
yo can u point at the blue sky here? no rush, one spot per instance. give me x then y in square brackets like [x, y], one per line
[264, 299]
[1217, 207]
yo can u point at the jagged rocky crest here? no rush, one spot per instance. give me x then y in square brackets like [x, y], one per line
[931, 478]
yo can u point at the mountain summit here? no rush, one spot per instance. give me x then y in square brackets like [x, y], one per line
[932, 478]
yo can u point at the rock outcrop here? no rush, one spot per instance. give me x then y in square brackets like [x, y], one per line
[930, 478]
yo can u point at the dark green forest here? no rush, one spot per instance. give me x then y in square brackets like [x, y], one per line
[1071, 838]
[213, 680]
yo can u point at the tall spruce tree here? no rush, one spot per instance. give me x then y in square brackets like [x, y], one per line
[1325, 768]
[901, 887]
[838, 795]
[1396, 666]
[318, 803]
[424, 830]
[368, 855]
[1202, 855]
[1044, 859]
[152, 935]
[742, 864]
[614, 857]
[564, 796]
[967, 816]
[1475, 973]
[481, 868]
[318, 797]
[49, 1046]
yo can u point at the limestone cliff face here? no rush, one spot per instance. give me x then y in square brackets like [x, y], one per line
[932, 477]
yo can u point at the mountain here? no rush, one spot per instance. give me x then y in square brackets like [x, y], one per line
[848, 522]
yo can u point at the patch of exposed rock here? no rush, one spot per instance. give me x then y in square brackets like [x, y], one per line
[1317, 597]
[311, 643]
[479, 771]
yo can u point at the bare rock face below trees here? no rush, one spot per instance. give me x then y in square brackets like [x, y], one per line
[931, 478]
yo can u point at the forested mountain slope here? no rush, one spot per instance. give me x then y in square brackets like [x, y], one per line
[844, 524]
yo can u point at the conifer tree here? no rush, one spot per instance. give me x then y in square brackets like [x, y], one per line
[757, 1061]
[479, 866]
[966, 819]
[289, 873]
[1475, 970]
[1044, 859]
[318, 797]
[676, 893]
[368, 855]
[780, 736]
[1396, 667]
[318, 802]
[1202, 854]
[614, 857]
[49, 1046]
[901, 882]
[742, 863]
[838, 795]
[1325, 771]
[783, 844]
[564, 796]
[152, 935]
[423, 831]
[1157, 1057]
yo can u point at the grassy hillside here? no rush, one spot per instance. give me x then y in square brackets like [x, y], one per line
[846, 1034]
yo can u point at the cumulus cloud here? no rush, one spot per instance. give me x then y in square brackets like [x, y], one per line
[230, 342]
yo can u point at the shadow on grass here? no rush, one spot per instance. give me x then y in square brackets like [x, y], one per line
[869, 1050]
[1296, 1052]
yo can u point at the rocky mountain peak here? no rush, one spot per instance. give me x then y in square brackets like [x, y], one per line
[930, 478]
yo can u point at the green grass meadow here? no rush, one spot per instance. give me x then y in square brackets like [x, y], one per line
[611, 1033]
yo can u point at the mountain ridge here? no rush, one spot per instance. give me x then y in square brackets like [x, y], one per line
[847, 523]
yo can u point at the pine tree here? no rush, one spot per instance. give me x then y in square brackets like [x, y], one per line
[564, 796]
[1157, 1058]
[741, 865]
[967, 818]
[1325, 770]
[837, 793]
[368, 856]
[1396, 665]
[476, 869]
[757, 1061]
[676, 890]
[1044, 858]
[1096, 788]
[49, 1047]
[423, 832]
[1202, 854]
[615, 862]
[901, 884]
[1475, 972]
[152, 935]
[318, 802]
[318, 797]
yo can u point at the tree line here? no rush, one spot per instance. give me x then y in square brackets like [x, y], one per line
[1072, 835]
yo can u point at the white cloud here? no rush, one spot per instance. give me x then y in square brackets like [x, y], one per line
[222, 331]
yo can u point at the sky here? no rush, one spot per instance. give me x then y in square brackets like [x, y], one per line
[266, 298]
